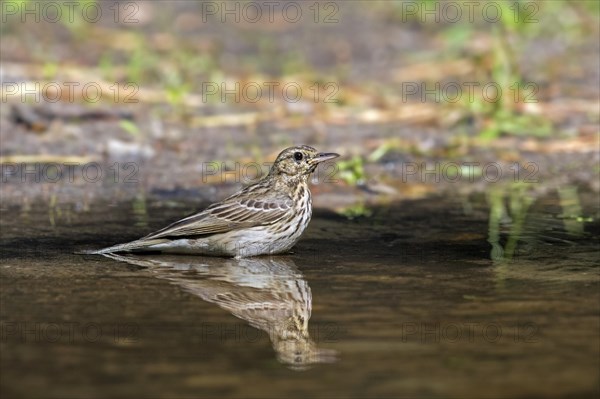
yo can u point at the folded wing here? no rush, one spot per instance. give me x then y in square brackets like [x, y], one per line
[232, 214]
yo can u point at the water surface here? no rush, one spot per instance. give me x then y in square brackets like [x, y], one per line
[482, 295]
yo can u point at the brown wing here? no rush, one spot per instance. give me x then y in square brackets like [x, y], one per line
[233, 213]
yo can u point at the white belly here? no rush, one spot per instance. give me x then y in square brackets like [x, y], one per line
[260, 240]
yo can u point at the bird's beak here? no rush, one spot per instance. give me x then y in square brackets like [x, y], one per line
[322, 157]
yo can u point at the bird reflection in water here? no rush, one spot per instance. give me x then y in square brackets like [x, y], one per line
[269, 293]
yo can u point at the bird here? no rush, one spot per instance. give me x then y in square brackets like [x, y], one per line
[265, 218]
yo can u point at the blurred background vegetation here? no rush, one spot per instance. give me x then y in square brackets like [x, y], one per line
[382, 82]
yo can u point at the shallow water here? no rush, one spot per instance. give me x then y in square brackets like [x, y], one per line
[491, 295]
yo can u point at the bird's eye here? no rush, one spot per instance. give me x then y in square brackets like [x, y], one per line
[298, 156]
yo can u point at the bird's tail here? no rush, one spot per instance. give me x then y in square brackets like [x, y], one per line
[137, 246]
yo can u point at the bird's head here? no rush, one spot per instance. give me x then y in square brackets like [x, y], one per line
[299, 161]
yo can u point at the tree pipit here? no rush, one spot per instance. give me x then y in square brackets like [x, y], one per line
[265, 218]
